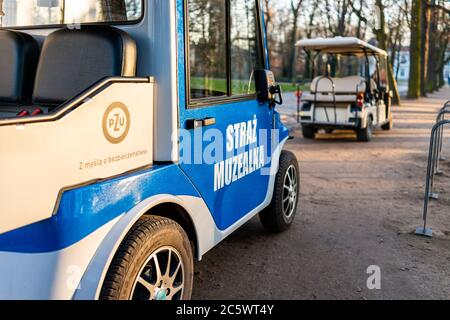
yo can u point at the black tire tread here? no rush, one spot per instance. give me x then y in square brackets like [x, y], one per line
[271, 218]
[365, 134]
[388, 126]
[133, 242]
[309, 132]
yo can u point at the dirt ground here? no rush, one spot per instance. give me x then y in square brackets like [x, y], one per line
[360, 203]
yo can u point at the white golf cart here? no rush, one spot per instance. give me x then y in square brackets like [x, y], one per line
[351, 92]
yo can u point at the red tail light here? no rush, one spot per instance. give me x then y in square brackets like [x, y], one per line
[37, 111]
[23, 113]
[360, 100]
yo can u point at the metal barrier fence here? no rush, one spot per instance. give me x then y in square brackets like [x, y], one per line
[434, 158]
[441, 116]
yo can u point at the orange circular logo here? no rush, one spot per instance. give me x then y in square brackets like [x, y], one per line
[116, 122]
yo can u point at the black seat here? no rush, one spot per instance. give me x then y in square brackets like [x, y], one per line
[73, 60]
[19, 54]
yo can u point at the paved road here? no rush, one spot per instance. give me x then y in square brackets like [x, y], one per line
[359, 204]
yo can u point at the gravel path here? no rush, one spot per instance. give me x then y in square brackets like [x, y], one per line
[359, 204]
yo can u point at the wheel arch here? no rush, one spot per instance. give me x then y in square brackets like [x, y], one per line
[167, 206]
[180, 215]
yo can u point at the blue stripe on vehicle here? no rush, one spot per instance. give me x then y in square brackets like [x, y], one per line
[86, 209]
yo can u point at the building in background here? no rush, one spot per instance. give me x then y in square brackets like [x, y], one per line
[401, 66]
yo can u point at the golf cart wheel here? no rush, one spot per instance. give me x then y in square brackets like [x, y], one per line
[365, 134]
[154, 262]
[388, 126]
[309, 132]
[281, 213]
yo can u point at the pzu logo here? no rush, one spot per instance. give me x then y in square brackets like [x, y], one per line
[116, 123]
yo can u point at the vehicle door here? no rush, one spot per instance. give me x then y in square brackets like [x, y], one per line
[225, 144]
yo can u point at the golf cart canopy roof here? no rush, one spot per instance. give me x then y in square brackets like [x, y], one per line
[340, 45]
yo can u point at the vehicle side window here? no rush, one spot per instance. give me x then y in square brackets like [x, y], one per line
[207, 48]
[32, 13]
[224, 48]
[245, 49]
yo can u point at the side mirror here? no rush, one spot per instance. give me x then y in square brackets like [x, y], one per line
[266, 88]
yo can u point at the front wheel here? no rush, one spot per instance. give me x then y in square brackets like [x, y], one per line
[155, 262]
[281, 213]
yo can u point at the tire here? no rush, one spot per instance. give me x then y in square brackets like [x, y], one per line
[366, 134]
[388, 126]
[309, 132]
[133, 273]
[276, 218]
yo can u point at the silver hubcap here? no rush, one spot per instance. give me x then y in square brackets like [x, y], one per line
[161, 277]
[290, 191]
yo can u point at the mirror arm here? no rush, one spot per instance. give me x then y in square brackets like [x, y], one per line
[276, 90]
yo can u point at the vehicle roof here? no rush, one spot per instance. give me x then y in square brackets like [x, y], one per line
[347, 45]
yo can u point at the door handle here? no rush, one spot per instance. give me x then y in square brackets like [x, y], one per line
[192, 124]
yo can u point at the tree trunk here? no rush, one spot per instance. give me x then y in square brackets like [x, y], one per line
[415, 50]
[382, 43]
[267, 16]
[341, 30]
[424, 54]
[359, 27]
[309, 67]
[114, 10]
[431, 84]
[293, 40]
[442, 61]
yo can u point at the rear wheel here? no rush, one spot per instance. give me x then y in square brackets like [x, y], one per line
[309, 132]
[281, 213]
[365, 134]
[155, 262]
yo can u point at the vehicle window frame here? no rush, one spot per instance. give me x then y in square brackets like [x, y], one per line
[195, 103]
[61, 25]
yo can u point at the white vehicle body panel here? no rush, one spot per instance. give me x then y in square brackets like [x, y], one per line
[71, 151]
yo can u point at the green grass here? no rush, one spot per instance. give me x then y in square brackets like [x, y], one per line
[239, 86]
[219, 85]
[289, 87]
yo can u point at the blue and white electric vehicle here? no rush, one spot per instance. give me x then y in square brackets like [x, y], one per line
[134, 136]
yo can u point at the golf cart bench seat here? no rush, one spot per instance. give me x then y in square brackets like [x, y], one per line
[347, 85]
[321, 97]
[70, 62]
[345, 89]
[19, 54]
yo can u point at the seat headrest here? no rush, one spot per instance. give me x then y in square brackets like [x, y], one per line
[73, 60]
[19, 53]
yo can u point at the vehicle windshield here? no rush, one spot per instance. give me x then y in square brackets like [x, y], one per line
[32, 13]
[341, 66]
